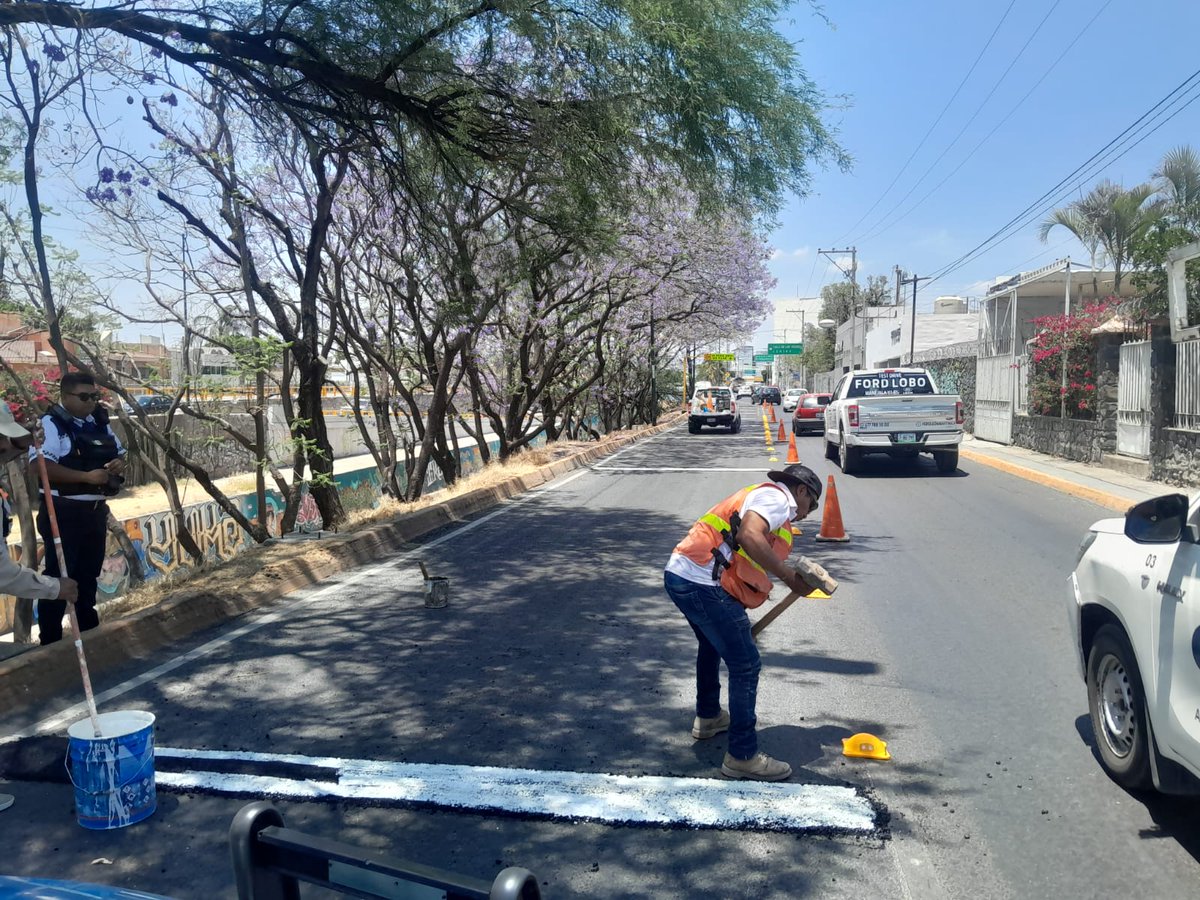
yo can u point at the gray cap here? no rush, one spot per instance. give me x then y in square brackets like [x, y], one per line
[8, 425]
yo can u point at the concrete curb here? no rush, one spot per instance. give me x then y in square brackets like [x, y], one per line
[1100, 498]
[43, 672]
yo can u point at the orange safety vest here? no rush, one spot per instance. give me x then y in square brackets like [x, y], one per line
[744, 579]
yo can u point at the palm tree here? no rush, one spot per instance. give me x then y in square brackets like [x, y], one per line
[1111, 217]
[1178, 178]
[1070, 218]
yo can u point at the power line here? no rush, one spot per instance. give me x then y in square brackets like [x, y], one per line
[1012, 112]
[929, 131]
[974, 116]
[1101, 158]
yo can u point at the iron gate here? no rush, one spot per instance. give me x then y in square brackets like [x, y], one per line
[1133, 400]
[994, 386]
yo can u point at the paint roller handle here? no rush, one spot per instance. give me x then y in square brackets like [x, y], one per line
[68, 590]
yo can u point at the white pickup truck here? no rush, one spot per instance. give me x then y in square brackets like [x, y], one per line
[893, 411]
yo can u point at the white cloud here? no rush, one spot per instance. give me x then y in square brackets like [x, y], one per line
[801, 252]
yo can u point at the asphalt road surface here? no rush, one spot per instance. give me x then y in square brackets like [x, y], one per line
[559, 652]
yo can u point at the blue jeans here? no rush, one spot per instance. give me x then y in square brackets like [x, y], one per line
[722, 631]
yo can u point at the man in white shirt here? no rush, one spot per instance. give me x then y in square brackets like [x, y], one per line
[84, 461]
[721, 568]
[15, 579]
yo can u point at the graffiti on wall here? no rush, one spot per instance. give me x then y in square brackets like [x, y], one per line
[155, 536]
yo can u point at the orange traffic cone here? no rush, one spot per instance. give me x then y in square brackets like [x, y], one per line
[831, 521]
[793, 456]
[781, 435]
[772, 408]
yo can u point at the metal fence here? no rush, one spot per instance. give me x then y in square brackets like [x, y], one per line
[1187, 385]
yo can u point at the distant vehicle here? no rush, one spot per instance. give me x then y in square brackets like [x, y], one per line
[364, 407]
[809, 416]
[746, 390]
[791, 397]
[1135, 627]
[714, 407]
[770, 394]
[155, 403]
[894, 411]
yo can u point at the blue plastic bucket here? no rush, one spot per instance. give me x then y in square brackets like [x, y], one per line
[113, 774]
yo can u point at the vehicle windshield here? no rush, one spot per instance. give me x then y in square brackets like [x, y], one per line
[813, 402]
[890, 384]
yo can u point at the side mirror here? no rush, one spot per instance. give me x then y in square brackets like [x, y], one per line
[1162, 520]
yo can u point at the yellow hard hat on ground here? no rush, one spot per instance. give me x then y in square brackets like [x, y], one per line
[865, 746]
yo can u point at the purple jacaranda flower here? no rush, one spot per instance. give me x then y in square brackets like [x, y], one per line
[106, 175]
[144, 181]
[156, 53]
[149, 77]
[108, 195]
[169, 98]
[54, 52]
[128, 192]
[124, 176]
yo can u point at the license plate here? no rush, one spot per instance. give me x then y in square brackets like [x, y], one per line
[712, 421]
[906, 437]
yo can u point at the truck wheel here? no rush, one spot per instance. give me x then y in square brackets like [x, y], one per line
[851, 457]
[947, 461]
[693, 428]
[1117, 704]
[736, 427]
[831, 450]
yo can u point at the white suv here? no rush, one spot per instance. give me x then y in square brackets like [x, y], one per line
[1135, 619]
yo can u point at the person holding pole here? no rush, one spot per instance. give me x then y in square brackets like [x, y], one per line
[84, 463]
[17, 580]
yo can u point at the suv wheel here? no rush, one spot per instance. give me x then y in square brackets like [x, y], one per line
[851, 457]
[1117, 704]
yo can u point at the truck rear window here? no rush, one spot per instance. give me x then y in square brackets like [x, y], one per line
[890, 384]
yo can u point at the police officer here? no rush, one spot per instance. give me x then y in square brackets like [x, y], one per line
[85, 462]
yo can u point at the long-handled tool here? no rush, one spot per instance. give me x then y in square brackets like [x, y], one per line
[62, 572]
[821, 586]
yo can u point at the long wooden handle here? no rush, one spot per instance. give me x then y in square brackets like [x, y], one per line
[774, 613]
[62, 571]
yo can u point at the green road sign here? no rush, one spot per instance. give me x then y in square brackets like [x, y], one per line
[785, 349]
[763, 357]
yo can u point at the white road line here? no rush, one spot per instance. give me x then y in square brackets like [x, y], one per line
[617, 799]
[673, 469]
[305, 595]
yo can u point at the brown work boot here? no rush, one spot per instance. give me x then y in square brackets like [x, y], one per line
[759, 767]
[703, 729]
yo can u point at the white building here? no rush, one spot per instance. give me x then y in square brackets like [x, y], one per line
[891, 341]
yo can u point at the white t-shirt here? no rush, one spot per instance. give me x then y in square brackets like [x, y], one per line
[777, 507]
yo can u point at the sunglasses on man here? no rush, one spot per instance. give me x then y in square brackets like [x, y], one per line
[87, 396]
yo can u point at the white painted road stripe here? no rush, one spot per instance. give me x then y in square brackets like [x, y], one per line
[673, 469]
[616, 799]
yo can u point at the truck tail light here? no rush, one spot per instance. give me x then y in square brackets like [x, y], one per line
[852, 415]
[958, 413]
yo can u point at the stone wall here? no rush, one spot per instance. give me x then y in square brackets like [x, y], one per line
[1077, 439]
[956, 376]
[1175, 457]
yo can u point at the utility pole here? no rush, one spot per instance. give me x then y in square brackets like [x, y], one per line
[912, 332]
[853, 276]
[899, 276]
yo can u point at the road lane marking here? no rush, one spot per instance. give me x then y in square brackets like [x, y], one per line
[306, 595]
[614, 799]
[673, 469]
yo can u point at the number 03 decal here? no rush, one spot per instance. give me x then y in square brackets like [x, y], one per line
[1151, 560]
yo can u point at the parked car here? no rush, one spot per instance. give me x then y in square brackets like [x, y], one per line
[791, 397]
[770, 394]
[714, 407]
[1135, 627]
[155, 403]
[894, 411]
[809, 415]
[756, 393]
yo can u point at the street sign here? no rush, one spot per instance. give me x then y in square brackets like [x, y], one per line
[720, 357]
[785, 349]
[763, 357]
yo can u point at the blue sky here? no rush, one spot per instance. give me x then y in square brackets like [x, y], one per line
[898, 63]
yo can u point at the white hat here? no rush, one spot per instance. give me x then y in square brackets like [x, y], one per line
[8, 425]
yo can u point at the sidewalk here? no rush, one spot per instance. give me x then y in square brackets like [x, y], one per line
[1107, 487]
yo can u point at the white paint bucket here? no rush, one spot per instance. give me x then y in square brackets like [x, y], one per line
[113, 774]
[437, 591]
